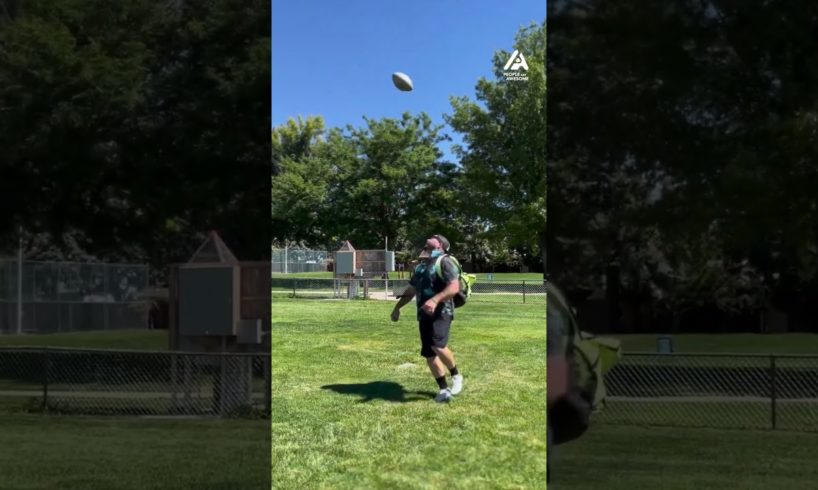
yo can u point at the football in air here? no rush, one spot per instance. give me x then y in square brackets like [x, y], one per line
[402, 81]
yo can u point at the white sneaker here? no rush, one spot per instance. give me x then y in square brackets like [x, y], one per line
[444, 396]
[457, 384]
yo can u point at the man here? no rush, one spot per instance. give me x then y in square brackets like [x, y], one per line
[435, 313]
[557, 371]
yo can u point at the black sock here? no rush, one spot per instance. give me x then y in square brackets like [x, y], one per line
[453, 371]
[441, 381]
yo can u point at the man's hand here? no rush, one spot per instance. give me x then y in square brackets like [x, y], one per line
[405, 298]
[429, 307]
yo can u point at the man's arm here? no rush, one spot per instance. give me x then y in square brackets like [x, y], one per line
[557, 368]
[452, 279]
[448, 293]
[557, 377]
[407, 296]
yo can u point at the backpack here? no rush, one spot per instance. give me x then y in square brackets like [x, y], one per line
[466, 280]
[589, 358]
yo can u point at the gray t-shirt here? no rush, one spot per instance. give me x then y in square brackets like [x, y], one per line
[427, 283]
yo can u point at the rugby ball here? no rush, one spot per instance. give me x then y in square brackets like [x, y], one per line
[402, 81]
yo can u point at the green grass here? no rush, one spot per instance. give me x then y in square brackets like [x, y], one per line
[481, 276]
[511, 276]
[719, 413]
[699, 442]
[83, 453]
[307, 275]
[744, 343]
[625, 458]
[112, 339]
[353, 408]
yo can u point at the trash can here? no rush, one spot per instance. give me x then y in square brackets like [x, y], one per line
[664, 344]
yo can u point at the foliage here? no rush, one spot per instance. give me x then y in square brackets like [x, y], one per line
[504, 155]
[132, 123]
[686, 155]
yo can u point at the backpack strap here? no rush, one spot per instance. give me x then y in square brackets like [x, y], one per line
[439, 261]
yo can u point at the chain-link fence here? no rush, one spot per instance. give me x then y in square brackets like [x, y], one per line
[714, 390]
[488, 292]
[67, 296]
[299, 260]
[102, 382]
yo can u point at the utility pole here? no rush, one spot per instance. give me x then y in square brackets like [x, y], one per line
[20, 282]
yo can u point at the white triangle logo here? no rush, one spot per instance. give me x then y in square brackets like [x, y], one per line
[516, 61]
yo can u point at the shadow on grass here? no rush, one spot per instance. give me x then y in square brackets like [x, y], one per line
[380, 390]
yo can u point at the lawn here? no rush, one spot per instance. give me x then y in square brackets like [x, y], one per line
[706, 441]
[155, 340]
[352, 399]
[85, 453]
[625, 458]
[743, 343]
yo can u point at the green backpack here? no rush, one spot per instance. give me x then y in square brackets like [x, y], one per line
[590, 358]
[466, 280]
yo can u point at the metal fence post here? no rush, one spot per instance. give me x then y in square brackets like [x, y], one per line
[174, 380]
[222, 403]
[45, 378]
[268, 385]
[773, 392]
[523, 292]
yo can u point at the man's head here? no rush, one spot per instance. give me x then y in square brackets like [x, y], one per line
[437, 242]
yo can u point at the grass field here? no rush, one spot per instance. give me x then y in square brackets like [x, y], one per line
[84, 453]
[699, 443]
[481, 276]
[156, 340]
[745, 343]
[352, 399]
[40, 452]
[625, 458]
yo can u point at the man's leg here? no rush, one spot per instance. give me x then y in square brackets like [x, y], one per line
[446, 355]
[435, 366]
[440, 346]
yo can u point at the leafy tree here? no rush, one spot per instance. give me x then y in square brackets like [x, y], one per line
[700, 136]
[129, 121]
[383, 180]
[300, 181]
[504, 154]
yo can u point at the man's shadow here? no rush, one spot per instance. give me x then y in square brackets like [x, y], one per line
[380, 390]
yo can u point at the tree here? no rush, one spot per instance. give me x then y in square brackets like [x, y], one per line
[295, 140]
[504, 155]
[383, 180]
[700, 135]
[130, 121]
[300, 182]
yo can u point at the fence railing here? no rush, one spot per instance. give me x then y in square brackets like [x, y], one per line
[487, 292]
[70, 296]
[103, 382]
[295, 260]
[714, 391]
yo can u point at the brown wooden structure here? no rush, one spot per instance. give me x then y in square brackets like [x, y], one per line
[218, 303]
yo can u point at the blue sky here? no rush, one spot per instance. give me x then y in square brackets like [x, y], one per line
[335, 58]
